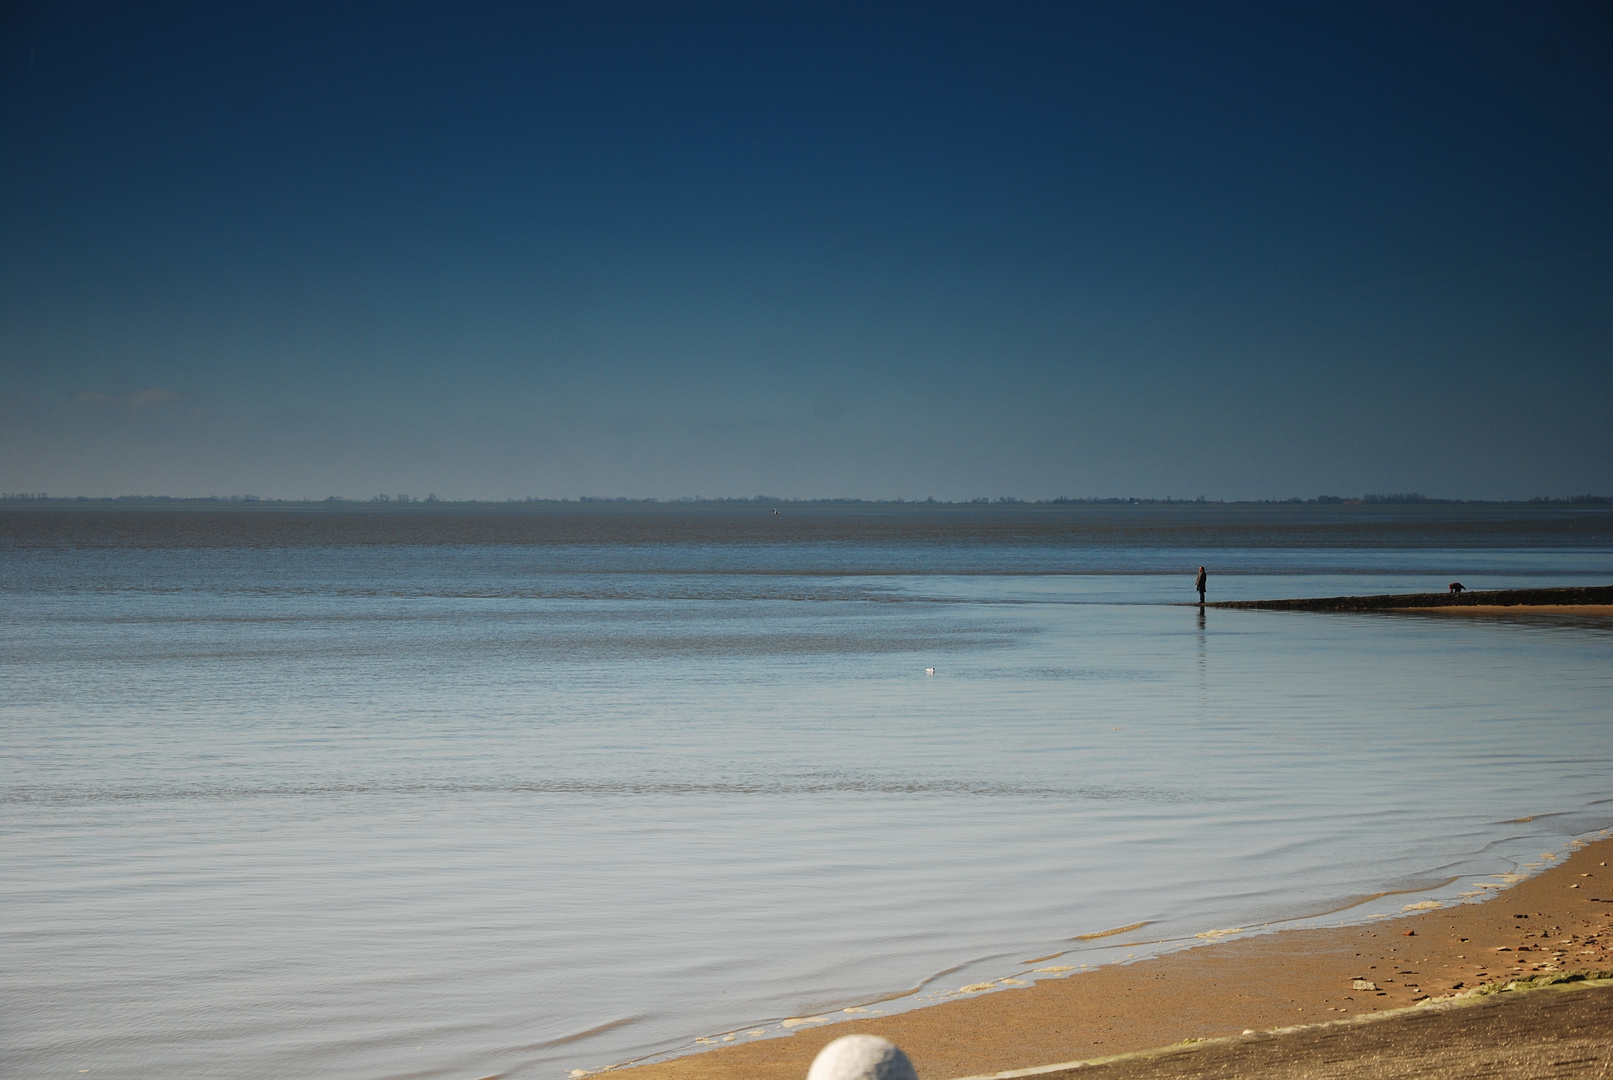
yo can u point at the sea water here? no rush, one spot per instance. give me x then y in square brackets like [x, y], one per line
[456, 792]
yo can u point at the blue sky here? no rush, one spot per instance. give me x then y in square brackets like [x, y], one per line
[940, 250]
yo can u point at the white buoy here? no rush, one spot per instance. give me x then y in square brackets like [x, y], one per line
[861, 1057]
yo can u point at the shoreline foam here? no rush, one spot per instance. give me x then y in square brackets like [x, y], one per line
[1230, 988]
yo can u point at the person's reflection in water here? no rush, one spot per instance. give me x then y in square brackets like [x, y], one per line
[1201, 650]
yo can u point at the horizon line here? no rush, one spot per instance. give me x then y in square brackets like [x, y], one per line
[432, 500]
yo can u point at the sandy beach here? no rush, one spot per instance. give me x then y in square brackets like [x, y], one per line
[1230, 1005]
[1593, 600]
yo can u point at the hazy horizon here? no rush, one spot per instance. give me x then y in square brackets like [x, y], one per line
[433, 499]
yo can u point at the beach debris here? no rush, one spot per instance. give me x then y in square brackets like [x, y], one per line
[1363, 984]
[861, 1057]
[1410, 933]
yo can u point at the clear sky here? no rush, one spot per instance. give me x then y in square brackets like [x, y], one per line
[868, 250]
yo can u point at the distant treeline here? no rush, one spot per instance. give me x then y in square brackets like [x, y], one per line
[1398, 498]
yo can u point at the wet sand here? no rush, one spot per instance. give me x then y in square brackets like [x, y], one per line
[1241, 988]
[1584, 611]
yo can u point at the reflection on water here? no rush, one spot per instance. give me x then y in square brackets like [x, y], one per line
[399, 801]
[1203, 626]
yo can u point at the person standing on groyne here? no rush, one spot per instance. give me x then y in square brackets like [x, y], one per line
[1198, 583]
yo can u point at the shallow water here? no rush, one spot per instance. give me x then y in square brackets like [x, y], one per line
[450, 795]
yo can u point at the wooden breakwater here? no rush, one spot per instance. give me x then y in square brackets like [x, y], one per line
[1594, 594]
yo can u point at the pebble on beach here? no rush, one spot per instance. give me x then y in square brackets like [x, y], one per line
[861, 1057]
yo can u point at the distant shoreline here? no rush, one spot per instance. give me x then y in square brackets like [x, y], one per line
[1485, 602]
[414, 502]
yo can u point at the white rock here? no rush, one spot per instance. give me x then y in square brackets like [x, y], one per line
[861, 1057]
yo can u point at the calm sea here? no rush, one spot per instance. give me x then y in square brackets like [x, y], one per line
[441, 792]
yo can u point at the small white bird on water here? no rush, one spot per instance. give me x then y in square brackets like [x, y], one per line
[861, 1057]
[929, 671]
